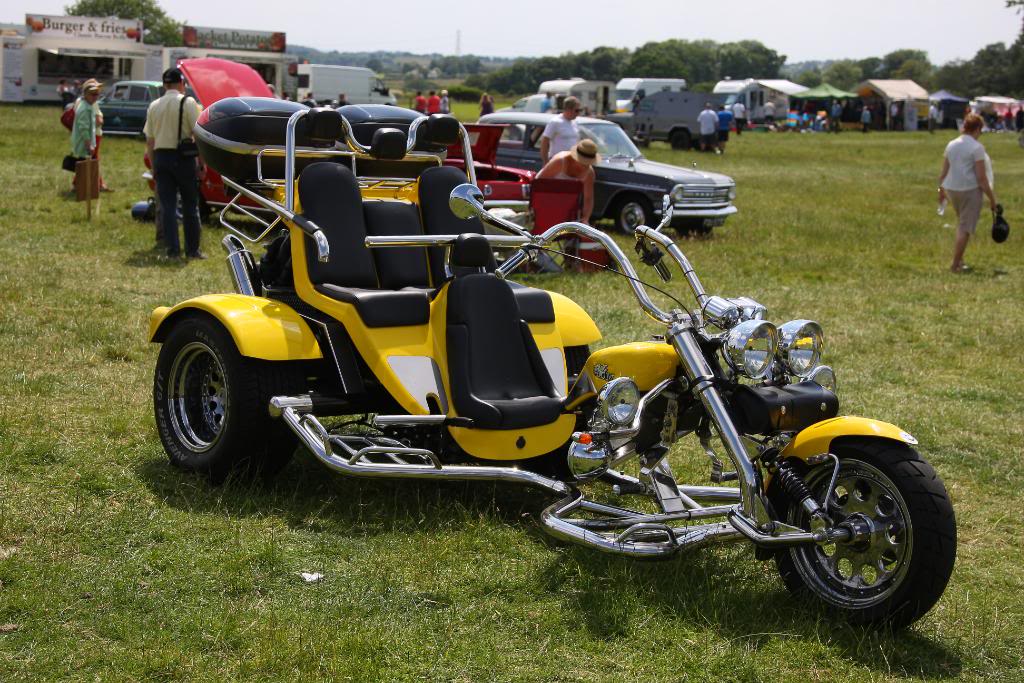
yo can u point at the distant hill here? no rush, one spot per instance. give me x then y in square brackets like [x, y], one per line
[383, 61]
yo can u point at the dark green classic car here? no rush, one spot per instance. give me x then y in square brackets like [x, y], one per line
[125, 104]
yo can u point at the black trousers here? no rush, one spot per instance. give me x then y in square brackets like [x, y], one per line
[176, 175]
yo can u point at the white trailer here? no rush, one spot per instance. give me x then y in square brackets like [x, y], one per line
[597, 97]
[328, 81]
[628, 88]
[755, 93]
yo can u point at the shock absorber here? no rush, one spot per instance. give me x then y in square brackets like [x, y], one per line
[796, 488]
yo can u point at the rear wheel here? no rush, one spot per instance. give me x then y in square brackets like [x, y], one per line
[630, 211]
[210, 403]
[680, 139]
[898, 565]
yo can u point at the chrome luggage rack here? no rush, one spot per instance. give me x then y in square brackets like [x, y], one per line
[354, 150]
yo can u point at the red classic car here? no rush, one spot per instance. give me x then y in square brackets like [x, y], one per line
[502, 186]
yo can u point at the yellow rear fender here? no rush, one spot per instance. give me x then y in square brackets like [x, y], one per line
[818, 438]
[261, 328]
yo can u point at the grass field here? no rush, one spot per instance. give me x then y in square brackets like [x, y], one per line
[115, 567]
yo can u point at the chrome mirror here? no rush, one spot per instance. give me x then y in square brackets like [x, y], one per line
[466, 201]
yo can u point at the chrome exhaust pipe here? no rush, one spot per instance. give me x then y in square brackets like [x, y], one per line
[241, 264]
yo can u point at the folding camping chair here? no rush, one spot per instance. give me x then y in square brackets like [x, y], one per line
[554, 201]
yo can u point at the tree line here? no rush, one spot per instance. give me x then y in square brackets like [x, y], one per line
[700, 62]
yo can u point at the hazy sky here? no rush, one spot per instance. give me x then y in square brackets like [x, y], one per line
[946, 29]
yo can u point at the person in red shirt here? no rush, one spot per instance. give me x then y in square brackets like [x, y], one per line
[420, 103]
[433, 103]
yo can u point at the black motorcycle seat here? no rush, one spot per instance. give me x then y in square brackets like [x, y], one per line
[496, 373]
[383, 307]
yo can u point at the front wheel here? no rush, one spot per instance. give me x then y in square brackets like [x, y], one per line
[901, 559]
[210, 403]
[680, 139]
[631, 211]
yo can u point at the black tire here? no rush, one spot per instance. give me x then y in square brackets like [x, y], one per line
[680, 139]
[911, 570]
[210, 403]
[629, 211]
[691, 227]
[205, 211]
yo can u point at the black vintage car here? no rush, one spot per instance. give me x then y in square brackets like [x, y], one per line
[629, 187]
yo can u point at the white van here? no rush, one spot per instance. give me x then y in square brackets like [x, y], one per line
[627, 88]
[327, 81]
[595, 96]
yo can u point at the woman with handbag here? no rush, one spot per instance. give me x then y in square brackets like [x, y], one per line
[169, 145]
[83, 128]
[965, 179]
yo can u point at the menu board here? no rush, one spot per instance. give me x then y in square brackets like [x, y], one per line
[10, 89]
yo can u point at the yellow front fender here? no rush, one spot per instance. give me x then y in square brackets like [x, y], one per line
[817, 438]
[261, 328]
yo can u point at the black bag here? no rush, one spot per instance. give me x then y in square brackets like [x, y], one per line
[186, 148]
[1000, 228]
[68, 164]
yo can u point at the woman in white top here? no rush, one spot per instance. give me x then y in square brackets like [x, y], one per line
[963, 181]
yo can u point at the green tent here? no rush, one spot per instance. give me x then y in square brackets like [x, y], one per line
[824, 92]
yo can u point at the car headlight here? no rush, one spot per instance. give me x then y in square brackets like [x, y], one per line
[800, 343]
[750, 347]
[618, 401]
[677, 194]
[732, 193]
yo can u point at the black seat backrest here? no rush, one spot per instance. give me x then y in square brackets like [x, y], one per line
[491, 353]
[330, 197]
[436, 184]
[396, 267]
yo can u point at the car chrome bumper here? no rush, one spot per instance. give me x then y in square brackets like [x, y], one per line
[688, 211]
[518, 204]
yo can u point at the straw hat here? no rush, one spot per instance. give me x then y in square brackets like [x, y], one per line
[585, 152]
[90, 85]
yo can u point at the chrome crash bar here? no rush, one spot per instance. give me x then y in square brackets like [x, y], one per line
[615, 530]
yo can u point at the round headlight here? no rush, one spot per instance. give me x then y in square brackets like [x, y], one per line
[800, 344]
[732, 193]
[618, 401]
[677, 194]
[825, 377]
[750, 347]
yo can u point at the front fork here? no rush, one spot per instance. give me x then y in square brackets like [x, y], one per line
[683, 336]
[751, 516]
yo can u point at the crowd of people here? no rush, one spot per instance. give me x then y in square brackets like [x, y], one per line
[433, 103]
[965, 182]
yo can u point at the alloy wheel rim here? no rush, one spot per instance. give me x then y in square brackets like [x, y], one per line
[632, 215]
[870, 569]
[197, 400]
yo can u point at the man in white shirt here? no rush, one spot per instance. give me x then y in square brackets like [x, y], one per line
[708, 122]
[769, 112]
[739, 115]
[561, 134]
[933, 117]
[964, 179]
[169, 121]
